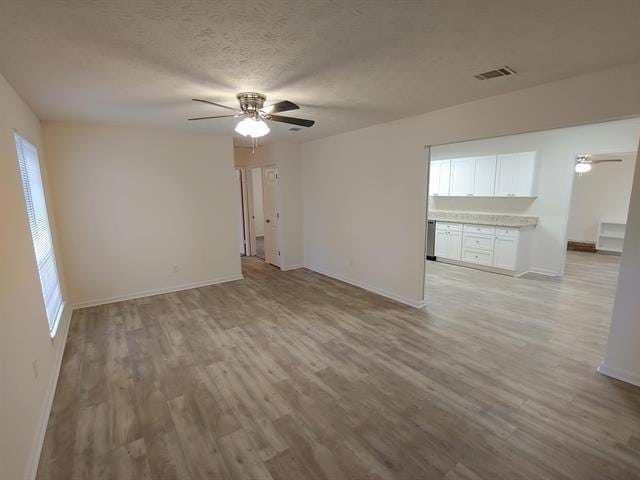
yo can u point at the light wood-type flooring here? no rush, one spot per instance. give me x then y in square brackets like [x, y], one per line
[293, 375]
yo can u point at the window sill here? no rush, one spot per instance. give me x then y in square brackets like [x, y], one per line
[56, 324]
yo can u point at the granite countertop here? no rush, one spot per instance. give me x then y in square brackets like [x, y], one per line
[499, 220]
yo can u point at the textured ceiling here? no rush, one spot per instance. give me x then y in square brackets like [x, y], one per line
[349, 64]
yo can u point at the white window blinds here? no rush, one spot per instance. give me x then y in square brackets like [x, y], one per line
[40, 230]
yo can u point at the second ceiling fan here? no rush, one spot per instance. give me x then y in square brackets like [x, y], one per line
[255, 113]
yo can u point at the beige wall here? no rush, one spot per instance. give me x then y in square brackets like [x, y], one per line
[24, 397]
[287, 157]
[364, 191]
[601, 195]
[132, 203]
[623, 349]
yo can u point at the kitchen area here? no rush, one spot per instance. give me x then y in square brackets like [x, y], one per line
[498, 243]
[516, 204]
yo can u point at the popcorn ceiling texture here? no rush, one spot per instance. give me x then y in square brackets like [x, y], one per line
[348, 63]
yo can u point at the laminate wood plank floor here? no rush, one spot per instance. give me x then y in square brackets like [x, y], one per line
[293, 375]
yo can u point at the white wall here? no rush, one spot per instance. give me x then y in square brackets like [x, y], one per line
[556, 152]
[132, 203]
[622, 359]
[258, 206]
[287, 157]
[364, 191]
[600, 195]
[24, 399]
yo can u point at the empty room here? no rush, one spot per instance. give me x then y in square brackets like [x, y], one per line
[280, 240]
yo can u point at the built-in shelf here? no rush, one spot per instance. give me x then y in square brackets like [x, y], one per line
[611, 236]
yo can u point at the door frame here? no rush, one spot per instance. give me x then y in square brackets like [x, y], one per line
[245, 209]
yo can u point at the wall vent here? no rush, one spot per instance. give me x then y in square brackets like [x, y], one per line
[503, 71]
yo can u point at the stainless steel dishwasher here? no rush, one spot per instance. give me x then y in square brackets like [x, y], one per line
[431, 240]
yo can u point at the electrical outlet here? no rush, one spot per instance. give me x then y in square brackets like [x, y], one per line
[176, 268]
[34, 364]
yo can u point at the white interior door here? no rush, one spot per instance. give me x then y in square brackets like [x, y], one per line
[271, 216]
[242, 221]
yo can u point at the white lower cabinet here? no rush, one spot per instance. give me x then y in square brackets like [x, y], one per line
[505, 252]
[477, 256]
[501, 249]
[449, 241]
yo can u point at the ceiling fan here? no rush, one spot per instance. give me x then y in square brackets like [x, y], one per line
[254, 114]
[584, 163]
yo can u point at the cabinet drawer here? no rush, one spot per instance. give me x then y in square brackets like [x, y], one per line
[507, 232]
[480, 229]
[479, 242]
[477, 256]
[449, 226]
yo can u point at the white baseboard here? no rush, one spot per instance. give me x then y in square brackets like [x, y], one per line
[291, 267]
[43, 421]
[160, 291]
[619, 374]
[376, 290]
[544, 271]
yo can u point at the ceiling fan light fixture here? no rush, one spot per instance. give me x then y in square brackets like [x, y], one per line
[582, 167]
[253, 128]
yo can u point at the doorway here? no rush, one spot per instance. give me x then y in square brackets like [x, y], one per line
[258, 212]
[260, 219]
[525, 238]
[242, 220]
[600, 203]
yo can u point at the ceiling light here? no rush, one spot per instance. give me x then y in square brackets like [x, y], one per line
[252, 127]
[583, 167]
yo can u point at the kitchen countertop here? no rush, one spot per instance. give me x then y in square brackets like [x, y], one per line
[499, 220]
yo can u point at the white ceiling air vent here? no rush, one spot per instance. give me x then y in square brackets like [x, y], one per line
[503, 71]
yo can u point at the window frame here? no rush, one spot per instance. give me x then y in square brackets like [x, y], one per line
[52, 285]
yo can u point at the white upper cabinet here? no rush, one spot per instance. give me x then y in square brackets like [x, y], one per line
[506, 175]
[473, 176]
[462, 173]
[485, 176]
[439, 176]
[516, 175]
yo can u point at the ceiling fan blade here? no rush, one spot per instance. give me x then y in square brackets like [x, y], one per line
[214, 104]
[216, 116]
[606, 160]
[283, 106]
[294, 121]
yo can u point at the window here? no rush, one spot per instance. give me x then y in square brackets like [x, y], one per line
[40, 230]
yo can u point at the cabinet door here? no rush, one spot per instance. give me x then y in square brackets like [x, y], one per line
[525, 177]
[505, 252]
[485, 176]
[505, 175]
[445, 178]
[462, 176]
[442, 244]
[434, 178]
[455, 245]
